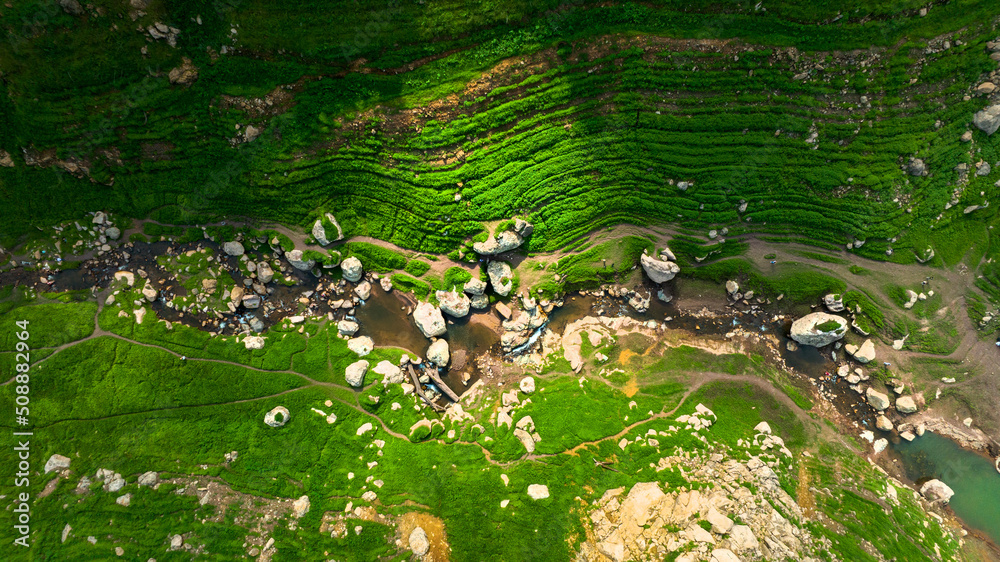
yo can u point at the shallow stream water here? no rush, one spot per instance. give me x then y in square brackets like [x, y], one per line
[973, 478]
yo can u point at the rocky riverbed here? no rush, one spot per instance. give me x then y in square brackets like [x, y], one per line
[243, 287]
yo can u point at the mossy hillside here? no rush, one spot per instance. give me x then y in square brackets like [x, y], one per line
[635, 148]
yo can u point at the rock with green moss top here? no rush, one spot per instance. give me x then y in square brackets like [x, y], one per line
[453, 303]
[500, 277]
[818, 329]
[298, 261]
[503, 242]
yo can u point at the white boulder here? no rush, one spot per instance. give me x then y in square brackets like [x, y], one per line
[538, 491]
[355, 373]
[429, 319]
[351, 268]
[937, 491]
[438, 353]
[418, 542]
[818, 329]
[501, 277]
[527, 385]
[453, 303]
[362, 345]
[56, 462]
[659, 270]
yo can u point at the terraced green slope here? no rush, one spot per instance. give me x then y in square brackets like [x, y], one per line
[593, 122]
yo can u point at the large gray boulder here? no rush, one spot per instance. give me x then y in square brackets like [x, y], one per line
[878, 400]
[438, 353]
[906, 405]
[504, 242]
[294, 257]
[480, 302]
[988, 120]
[429, 319]
[56, 462]
[233, 248]
[453, 303]
[741, 538]
[937, 491]
[319, 233]
[254, 342]
[347, 327]
[659, 270]
[523, 227]
[818, 329]
[264, 272]
[917, 167]
[300, 506]
[501, 277]
[363, 290]
[355, 373]
[352, 269]
[148, 478]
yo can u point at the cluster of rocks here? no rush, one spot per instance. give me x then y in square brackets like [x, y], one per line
[476, 289]
[916, 167]
[863, 354]
[185, 74]
[748, 298]
[904, 405]
[650, 524]
[506, 240]
[160, 31]
[988, 119]
[100, 237]
[524, 429]
[518, 330]
[912, 297]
